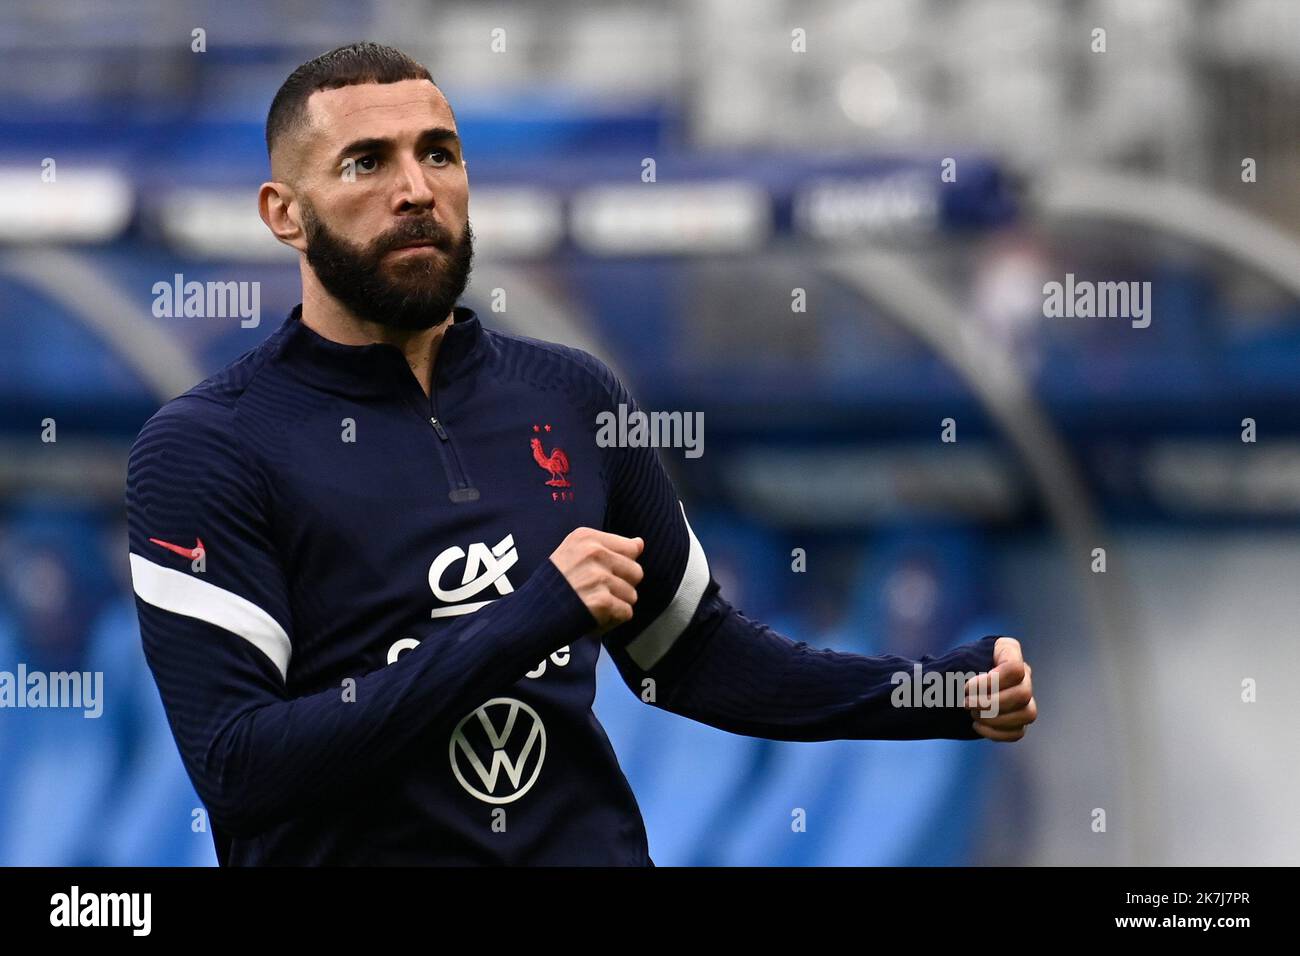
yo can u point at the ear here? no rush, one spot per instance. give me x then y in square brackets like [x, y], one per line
[280, 211]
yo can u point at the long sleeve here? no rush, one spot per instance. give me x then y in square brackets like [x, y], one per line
[746, 678]
[218, 636]
[688, 651]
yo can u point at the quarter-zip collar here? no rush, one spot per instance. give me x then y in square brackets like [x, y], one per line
[379, 368]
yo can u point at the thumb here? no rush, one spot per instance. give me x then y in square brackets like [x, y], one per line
[1007, 650]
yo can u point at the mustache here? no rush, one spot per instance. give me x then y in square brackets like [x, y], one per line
[414, 230]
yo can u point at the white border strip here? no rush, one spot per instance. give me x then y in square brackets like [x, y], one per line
[175, 591]
[649, 647]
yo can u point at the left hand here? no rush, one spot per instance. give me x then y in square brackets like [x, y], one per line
[1014, 704]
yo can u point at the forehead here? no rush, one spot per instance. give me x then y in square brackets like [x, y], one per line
[389, 110]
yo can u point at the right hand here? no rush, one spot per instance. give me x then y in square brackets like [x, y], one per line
[602, 569]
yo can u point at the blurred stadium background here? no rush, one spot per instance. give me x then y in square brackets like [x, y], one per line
[776, 170]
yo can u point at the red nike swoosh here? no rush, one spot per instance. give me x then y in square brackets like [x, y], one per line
[191, 553]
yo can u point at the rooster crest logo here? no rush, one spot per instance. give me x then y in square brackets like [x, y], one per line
[556, 463]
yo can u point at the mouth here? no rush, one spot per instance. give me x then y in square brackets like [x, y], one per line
[411, 247]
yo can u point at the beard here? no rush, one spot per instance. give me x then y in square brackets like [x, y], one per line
[411, 293]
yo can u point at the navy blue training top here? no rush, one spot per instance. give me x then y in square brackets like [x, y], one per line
[364, 652]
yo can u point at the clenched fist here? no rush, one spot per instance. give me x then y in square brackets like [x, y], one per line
[1006, 692]
[602, 568]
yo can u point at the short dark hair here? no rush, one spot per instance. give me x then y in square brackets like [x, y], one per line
[346, 66]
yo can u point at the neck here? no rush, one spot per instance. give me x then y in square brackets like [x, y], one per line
[328, 318]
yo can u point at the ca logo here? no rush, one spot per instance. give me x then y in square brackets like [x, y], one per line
[484, 567]
[502, 734]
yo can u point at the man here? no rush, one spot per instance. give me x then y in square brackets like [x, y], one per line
[375, 557]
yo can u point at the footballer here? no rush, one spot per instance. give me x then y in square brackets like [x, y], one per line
[376, 557]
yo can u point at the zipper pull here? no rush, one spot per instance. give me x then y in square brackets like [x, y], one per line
[437, 426]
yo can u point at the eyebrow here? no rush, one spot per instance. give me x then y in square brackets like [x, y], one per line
[379, 143]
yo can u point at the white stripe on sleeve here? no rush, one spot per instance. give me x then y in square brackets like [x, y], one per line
[180, 593]
[649, 647]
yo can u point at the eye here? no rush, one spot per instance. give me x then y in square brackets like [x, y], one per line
[445, 156]
[367, 163]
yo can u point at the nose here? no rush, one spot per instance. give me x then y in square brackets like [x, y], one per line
[412, 187]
